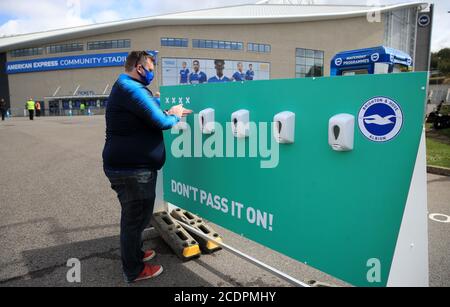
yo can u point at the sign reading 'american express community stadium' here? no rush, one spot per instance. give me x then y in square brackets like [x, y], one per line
[70, 62]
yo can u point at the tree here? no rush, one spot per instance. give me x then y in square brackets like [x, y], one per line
[441, 61]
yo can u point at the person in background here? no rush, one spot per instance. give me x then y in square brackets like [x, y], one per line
[3, 108]
[439, 106]
[250, 74]
[83, 108]
[239, 75]
[37, 105]
[197, 76]
[184, 74]
[219, 77]
[134, 151]
[30, 107]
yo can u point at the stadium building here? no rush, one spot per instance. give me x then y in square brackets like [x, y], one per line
[67, 67]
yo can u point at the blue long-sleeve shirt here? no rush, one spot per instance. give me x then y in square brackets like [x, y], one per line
[134, 124]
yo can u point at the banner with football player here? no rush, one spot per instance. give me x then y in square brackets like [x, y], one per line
[176, 71]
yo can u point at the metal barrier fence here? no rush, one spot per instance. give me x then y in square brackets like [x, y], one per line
[20, 112]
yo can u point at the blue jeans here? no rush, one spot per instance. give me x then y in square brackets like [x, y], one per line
[136, 192]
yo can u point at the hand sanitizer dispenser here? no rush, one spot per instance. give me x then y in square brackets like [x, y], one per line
[284, 127]
[206, 121]
[181, 125]
[341, 130]
[240, 123]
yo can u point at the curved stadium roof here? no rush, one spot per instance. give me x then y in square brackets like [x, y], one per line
[241, 14]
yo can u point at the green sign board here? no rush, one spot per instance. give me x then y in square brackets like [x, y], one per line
[338, 211]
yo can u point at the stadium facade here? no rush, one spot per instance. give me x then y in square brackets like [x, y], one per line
[66, 67]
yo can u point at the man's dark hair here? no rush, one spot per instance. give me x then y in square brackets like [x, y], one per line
[219, 62]
[196, 61]
[137, 57]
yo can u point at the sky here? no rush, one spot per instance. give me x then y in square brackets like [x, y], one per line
[25, 16]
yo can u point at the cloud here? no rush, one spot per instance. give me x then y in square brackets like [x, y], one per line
[40, 16]
[441, 26]
[24, 16]
[169, 6]
[106, 16]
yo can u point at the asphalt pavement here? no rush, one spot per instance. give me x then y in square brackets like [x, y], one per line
[56, 204]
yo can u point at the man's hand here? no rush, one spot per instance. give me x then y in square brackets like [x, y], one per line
[186, 112]
[179, 111]
[157, 95]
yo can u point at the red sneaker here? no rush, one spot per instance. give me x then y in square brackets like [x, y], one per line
[149, 271]
[149, 255]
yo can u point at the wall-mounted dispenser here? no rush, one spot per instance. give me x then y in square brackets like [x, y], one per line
[181, 125]
[284, 127]
[341, 130]
[240, 123]
[206, 121]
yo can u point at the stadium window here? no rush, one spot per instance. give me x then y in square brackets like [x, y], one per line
[309, 53]
[300, 52]
[26, 52]
[174, 42]
[65, 48]
[318, 54]
[110, 44]
[309, 63]
[217, 44]
[262, 48]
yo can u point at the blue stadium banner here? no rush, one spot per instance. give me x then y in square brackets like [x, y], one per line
[69, 62]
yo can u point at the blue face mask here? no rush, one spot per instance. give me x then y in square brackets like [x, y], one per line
[149, 75]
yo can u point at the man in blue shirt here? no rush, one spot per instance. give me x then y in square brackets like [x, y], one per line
[219, 77]
[197, 76]
[184, 74]
[250, 74]
[239, 75]
[133, 153]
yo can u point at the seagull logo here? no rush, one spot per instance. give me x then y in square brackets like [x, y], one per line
[378, 120]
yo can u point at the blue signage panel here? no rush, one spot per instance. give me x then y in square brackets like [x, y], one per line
[366, 59]
[69, 62]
